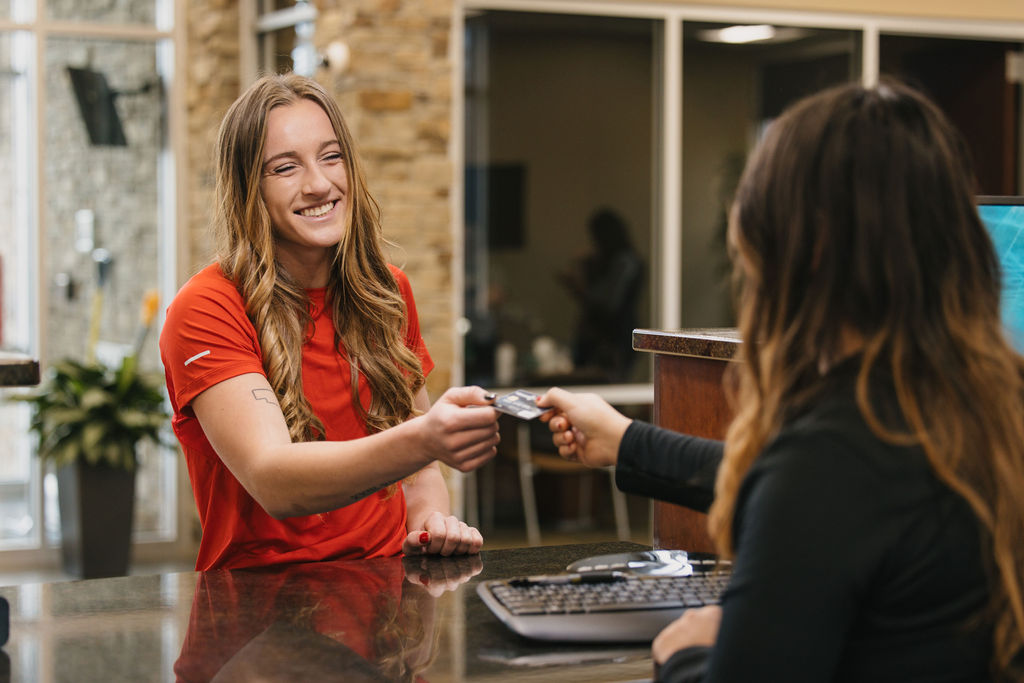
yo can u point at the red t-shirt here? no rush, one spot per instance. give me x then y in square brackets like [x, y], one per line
[206, 339]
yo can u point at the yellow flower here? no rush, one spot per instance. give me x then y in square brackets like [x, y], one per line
[150, 303]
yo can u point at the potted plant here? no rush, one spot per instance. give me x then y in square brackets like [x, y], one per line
[89, 418]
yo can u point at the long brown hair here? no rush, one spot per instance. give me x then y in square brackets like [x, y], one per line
[368, 311]
[856, 215]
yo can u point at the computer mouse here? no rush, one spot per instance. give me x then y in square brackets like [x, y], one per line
[643, 562]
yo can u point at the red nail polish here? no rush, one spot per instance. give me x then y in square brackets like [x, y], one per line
[424, 538]
[424, 579]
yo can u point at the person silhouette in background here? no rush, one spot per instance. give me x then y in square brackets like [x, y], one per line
[606, 283]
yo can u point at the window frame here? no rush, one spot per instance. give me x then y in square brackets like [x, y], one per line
[167, 35]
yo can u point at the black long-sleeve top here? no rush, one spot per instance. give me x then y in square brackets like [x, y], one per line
[852, 561]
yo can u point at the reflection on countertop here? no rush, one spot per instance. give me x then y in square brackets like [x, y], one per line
[387, 619]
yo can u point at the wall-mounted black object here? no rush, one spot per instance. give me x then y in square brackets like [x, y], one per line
[96, 105]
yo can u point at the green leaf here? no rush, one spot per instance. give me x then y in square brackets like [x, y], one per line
[120, 456]
[126, 374]
[66, 453]
[135, 418]
[92, 435]
[61, 415]
[94, 397]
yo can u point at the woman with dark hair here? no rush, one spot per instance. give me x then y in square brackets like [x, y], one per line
[870, 489]
[295, 364]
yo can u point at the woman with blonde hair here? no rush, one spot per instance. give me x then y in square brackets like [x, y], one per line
[870, 489]
[295, 364]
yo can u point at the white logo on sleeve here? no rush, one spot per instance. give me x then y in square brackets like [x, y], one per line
[198, 356]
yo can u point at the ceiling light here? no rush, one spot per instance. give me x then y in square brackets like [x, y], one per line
[739, 34]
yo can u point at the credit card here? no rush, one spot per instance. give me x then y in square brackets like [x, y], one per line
[520, 403]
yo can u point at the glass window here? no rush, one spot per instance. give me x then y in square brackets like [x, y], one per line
[15, 197]
[18, 10]
[18, 497]
[736, 78]
[285, 37]
[107, 11]
[559, 189]
[105, 137]
[275, 50]
[969, 80]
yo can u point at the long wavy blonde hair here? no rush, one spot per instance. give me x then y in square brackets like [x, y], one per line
[367, 308]
[856, 213]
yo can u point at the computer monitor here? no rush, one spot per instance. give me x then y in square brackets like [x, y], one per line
[1004, 218]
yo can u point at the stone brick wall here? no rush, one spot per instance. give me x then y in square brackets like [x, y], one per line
[211, 85]
[396, 96]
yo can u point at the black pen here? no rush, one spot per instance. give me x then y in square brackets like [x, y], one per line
[561, 579]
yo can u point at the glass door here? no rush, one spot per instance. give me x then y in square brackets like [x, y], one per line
[559, 189]
[736, 79]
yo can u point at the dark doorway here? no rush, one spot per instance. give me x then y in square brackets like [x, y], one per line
[968, 80]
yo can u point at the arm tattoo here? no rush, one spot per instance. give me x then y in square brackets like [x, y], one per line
[265, 395]
[373, 489]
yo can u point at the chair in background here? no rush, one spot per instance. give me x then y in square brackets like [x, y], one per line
[532, 459]
[532, 462]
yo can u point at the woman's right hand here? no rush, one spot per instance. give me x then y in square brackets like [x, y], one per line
[584, 427]
[460, 438]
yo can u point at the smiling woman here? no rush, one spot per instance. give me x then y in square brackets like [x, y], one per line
[304, 186]
[295, 365]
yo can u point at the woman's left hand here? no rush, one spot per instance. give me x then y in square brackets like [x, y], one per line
[697, 626]
[443, 535]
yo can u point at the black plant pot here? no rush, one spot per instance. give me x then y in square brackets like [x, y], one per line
[96, 508]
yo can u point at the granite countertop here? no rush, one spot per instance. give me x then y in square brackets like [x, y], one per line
[715, 342]
[18, 370]
[381, 619]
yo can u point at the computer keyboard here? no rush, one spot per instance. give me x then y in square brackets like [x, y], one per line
[608, 606]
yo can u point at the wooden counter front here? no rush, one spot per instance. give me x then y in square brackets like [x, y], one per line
[688, 397]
